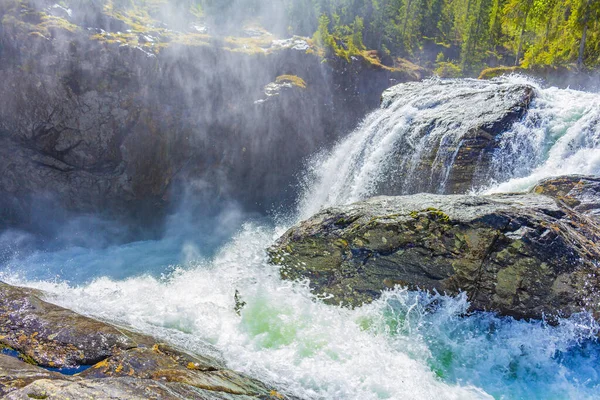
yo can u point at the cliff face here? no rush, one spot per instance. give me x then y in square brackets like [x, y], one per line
[103, 113]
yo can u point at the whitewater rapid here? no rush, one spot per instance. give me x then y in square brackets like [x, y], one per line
[559, 135]
[406, 345]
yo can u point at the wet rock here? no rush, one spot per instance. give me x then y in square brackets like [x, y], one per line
[53, 336]
[127, 365]
[168, 365]
[117, 388]
[581, 193]
[521, 255]
[102, 118]
[449, 143]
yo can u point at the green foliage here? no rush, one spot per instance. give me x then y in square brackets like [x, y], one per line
[292, 80]
[470, 35]
[478, 34]
[448, 70]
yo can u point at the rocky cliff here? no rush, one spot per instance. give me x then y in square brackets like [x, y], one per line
[109, 108]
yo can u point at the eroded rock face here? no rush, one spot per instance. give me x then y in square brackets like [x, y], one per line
[521, 255]
[99, 120]
[123, 364]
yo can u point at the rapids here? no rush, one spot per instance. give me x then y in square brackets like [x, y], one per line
[406, 345]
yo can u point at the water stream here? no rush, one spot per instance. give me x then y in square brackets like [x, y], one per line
[406, 345]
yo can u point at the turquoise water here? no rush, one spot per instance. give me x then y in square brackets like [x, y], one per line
[406, 345]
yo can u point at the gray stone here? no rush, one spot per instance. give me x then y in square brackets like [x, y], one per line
[520, 255]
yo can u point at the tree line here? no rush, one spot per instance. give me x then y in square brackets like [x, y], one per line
[458, 37]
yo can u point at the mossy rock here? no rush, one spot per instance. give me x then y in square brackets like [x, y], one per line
[521, 255]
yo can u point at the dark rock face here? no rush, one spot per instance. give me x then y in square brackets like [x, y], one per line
[451, 139]
[96, 119]
[521, 255]
[124, 364]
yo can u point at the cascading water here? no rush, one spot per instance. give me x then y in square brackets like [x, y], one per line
[406, 345]
[412, 144]
[560, 135]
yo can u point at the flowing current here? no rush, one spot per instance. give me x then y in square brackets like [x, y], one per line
[406, 345]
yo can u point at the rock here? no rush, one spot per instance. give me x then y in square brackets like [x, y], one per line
[89, 120]
[123, 364]
[581, 193]
[53, 336]
[16, 374]
[168, 365]
[449, 144]
[117, 388]
[521, 255]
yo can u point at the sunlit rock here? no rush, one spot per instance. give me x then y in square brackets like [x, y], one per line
[521, 255]
[117, 363]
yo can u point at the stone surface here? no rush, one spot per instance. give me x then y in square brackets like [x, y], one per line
[95, 120]
[119, 389]
[124, 364]
[581, 193]
[52, 336]
[16, 374]
[445, 132]
[521, 255]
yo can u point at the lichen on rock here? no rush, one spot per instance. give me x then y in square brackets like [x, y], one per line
[521, 255]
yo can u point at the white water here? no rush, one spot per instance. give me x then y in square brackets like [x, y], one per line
[559, 135]
[404, 346]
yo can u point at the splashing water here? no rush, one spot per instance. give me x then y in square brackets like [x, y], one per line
[411, 144]
[560, 135]
[406, 345]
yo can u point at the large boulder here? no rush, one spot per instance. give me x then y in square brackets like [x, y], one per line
[522, 255]
[453, 129]
[113, 362]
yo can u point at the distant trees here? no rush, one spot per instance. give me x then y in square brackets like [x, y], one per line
[470, 34]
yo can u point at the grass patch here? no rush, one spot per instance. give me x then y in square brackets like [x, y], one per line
[291, 79]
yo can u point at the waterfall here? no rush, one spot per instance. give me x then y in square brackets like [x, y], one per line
[452, 136]
[440, 136]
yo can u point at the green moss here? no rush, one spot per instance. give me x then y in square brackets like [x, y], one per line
[130, 39]
[490, 73]
[248, 45]
[21, 356]
[53, 22]
[192, 39]
[27, 359]
[433, 213]
[294, 81]
[139, 16]
[37, 396]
